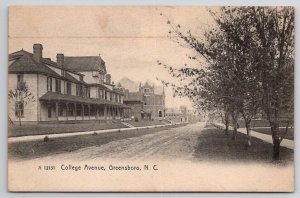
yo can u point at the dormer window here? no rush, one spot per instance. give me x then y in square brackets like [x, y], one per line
[81, 78]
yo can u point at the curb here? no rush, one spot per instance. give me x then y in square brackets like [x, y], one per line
[50, 136]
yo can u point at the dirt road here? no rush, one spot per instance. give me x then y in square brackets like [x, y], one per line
[171, 143]
[170, 151]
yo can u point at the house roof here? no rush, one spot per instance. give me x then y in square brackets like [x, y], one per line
[23, 62]
[26, 64]
[18, 54]
[85, 63]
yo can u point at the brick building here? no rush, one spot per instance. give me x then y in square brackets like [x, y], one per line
[70, 89]
[146, 104]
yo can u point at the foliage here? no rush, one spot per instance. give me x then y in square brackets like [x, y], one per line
[244, 65]
[22, 95]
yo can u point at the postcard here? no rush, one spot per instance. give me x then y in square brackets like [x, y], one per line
[151, 99]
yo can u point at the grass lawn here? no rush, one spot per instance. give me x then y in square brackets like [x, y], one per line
[145, 123]
[15, 130]
[267, 130]
[214, 145]
[35, 149]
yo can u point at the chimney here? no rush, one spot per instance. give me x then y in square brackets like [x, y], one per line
[60, 60]
[108, 78]
[38, 52]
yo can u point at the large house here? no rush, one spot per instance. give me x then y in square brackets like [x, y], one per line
[70, 89]
[145, 103]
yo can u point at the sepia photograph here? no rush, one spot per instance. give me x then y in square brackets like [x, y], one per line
[151, 98]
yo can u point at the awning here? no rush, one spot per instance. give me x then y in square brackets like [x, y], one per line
[54, 96]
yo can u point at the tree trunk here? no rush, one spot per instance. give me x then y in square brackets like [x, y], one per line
[248, 134]
[276, 141]
[234, 132]
[226, 124]
[234, 116]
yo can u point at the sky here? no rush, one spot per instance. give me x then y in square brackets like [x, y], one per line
[129, 39]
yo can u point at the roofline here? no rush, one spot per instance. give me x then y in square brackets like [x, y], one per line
[62, 68]
[50, 62]
[46, 74]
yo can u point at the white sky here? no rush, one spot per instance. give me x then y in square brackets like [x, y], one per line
[129, 39]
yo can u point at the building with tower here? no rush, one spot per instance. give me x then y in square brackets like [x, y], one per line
[146, 104]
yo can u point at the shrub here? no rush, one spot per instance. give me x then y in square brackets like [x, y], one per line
[46, 139]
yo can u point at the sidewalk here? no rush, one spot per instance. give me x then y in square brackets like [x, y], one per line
[41, 137]
[264, 137]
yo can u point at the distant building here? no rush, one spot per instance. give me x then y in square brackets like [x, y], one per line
[146, 104]
[182, 114]
[177, 115]
[70, 89]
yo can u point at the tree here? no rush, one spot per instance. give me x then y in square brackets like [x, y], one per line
[223, 81]
[19, 98]
[245, 64]
[275, 38]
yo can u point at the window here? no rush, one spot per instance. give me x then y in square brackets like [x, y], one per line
[20, 80]
[49, 84]
[105, 93]
[160, 114]
[69, 88]
[79, 90]
[81, 78]
[95, 73]
[19, 109]
[101, 78]
[57, 85]
[49, 112]
[84, 91]
[88, 94]
[100, 93]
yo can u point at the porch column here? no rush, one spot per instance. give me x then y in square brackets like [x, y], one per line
[56, 110]
[67, 110]
[89, 111]
[75, 109]
[114, 113]
[97, 111]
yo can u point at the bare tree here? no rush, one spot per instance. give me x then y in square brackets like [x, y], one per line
[19, 98]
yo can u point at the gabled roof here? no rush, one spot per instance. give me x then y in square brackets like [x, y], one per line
[85, 63]
[25, 64]
[18, 54]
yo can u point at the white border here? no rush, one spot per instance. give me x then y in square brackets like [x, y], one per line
[3, 91]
